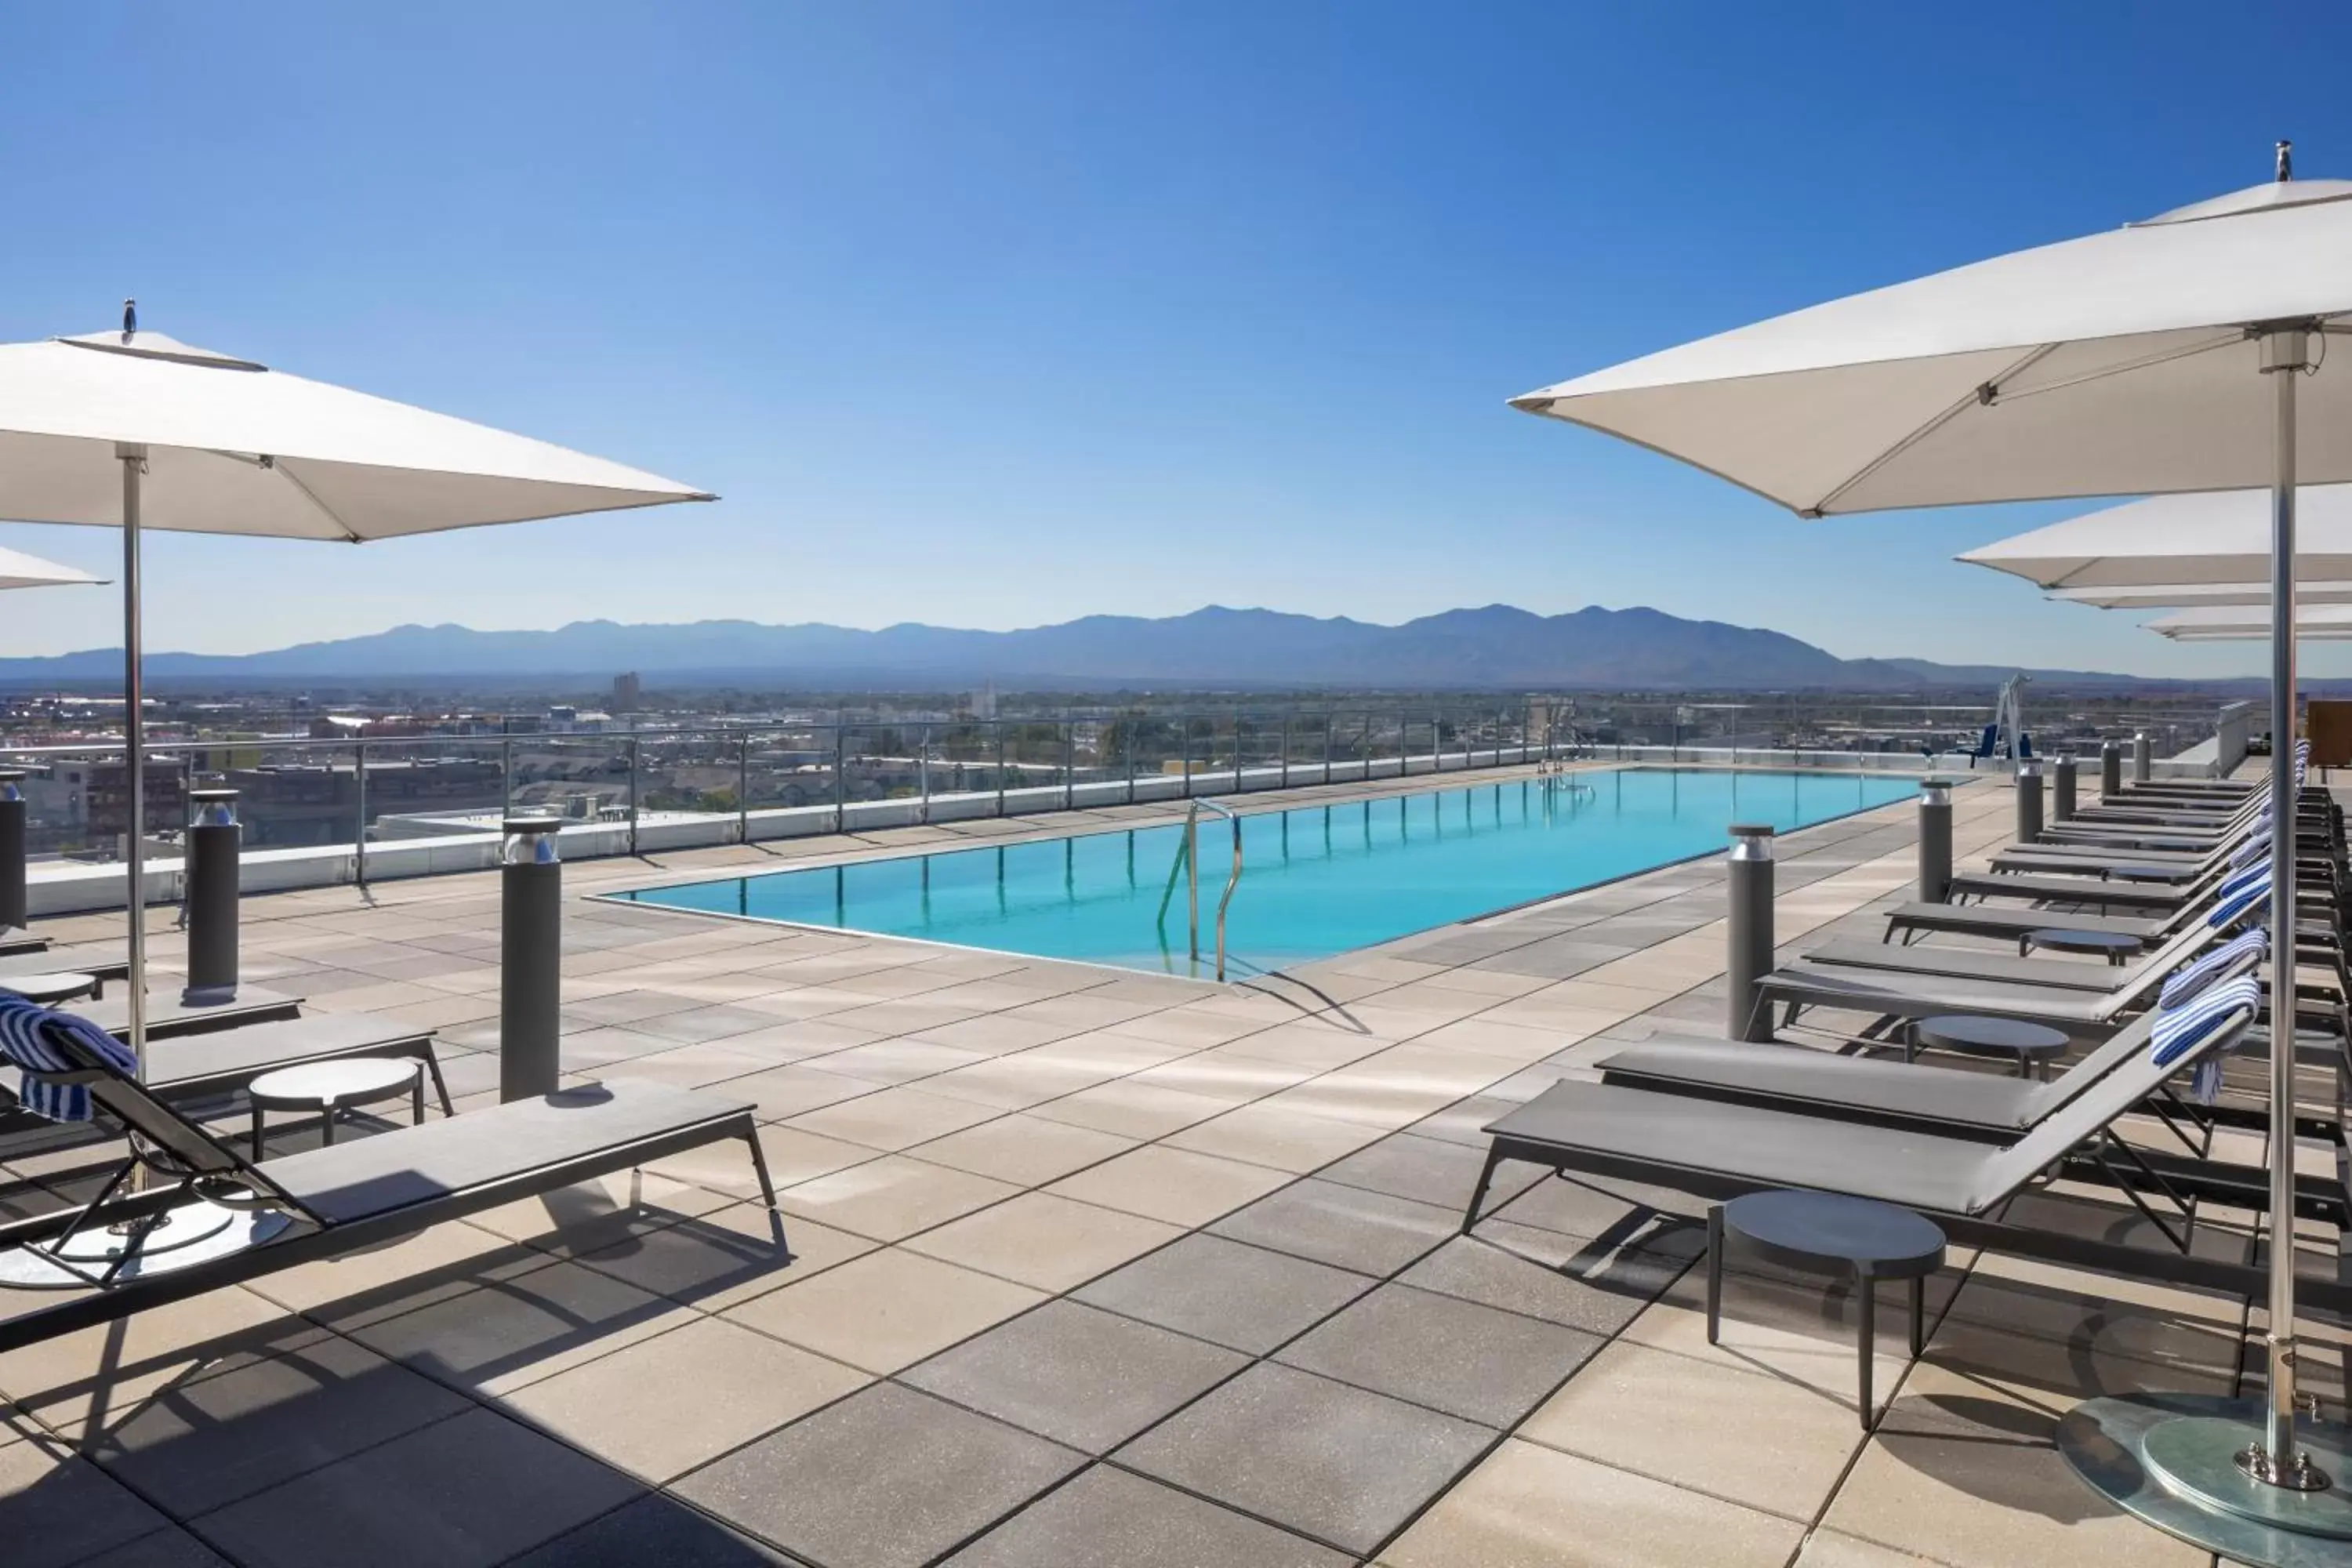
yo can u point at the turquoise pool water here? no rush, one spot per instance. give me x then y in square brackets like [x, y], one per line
[1317, 880]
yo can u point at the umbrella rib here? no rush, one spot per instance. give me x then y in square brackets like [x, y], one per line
[307, 493]
[1992, 394]
[1979, 396]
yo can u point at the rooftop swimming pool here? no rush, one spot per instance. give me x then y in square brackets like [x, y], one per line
[1316, 880]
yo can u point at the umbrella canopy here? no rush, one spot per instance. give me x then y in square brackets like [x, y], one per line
[18, 570]
[2165, 595]
[2115, 364]
[236, 447]
[138, 429]
[2221, 539]
[2185, 353]
[2210, 622]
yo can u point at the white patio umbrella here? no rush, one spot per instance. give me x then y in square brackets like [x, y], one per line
[136, 430]
[2224, 620]
[18, 570]
[2168, 355]
[2166, 595]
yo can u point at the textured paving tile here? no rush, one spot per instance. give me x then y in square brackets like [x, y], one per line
[1427, 1170]
[1333, 1462]
[1028, 1149]
[1453, 1355]
[474, 1489]
[1175, 1185]
[1526, 1507]
[1044, 1241]
[885, 1310]
[260, 1420]
[1532, 1272]
[1110, 1519]
[56, 1508]
[655, 1531]
[1243, 1297]
[886, 1479]
[164, 1548]
[1086, 1378]
[663, 1406]
[718, 1260]
[892, 1197]
[1765, 1442]
[1346, 1227]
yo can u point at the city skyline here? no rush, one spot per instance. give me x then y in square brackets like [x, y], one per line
[998, 321]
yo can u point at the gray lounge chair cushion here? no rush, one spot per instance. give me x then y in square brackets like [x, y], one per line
[233, 1057]
[1822, 1078]
[1667, 1132]
[412, 1165]
[167, 1013]
[1972, 963]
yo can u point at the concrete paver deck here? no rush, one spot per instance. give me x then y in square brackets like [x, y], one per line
[1085, 1268]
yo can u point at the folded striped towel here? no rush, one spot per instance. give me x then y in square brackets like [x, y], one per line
[2182, 1029]
[2227, 961]
[2251, 850]
[2244, 906]
[2244, 878]
[34, 1037]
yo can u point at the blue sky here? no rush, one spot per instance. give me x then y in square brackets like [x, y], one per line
[994, 314]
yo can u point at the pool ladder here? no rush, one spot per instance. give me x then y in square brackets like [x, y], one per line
[1188, 860]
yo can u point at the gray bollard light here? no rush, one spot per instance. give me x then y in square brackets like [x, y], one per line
[214, 840]
[530, 957]
[1749, 876]
[1935, 840]
[2062, 789]
[2111, 770]
[2141, 751]
[16, 908]
[2029, 803]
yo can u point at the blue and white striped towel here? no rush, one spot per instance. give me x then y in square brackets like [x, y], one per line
[32, 1036]
[2227, 961]
[2246, 905]
[2251, 850]
[2244, 878]
[2180, 1030]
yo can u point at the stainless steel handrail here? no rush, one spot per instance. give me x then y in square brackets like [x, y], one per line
[1188, 861]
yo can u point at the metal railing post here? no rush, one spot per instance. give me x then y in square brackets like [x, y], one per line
[999, 767]
[359, 826]
[1192, 880]
[1127, 746]
[743, 788]
[1184, 752]
[923, 773]
[506, 776]
[1326, 745]
[1285, 750]
[1070, 764]
[633, 796]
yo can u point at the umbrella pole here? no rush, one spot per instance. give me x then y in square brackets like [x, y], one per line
[2240, 1476]
[2284, 356]
[134, 456]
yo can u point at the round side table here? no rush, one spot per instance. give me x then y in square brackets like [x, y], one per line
[49, 990]
[1815, 1231]
[332, 1088]
[2113, 946]
[2034, 1045]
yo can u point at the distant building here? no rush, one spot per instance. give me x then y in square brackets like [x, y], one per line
[626, 692]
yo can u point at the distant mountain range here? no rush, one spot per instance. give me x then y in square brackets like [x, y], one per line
[1498, 647]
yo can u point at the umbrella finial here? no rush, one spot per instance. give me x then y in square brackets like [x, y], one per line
[2286, 161]
[131, 319]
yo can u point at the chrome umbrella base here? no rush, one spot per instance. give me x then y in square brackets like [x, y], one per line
[190, 1234]
[2172, 1460]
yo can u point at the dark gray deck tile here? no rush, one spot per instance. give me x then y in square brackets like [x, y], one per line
[1428, 1170]
[262, 1420]
[1110, 1519]
[1451, 1354]
[886, 1479]
[1220, 1290]
[1346, 1228]
[56, 1508]
[1086, 1378]
[165, 1549]
[1336, 1463]
[462, 1493]
[1543, 1275]
[655, 1531]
